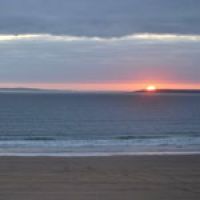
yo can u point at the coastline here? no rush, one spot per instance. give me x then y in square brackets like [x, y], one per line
[100, 154]
[110, 178]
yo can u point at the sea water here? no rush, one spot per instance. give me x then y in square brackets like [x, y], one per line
[70, 124]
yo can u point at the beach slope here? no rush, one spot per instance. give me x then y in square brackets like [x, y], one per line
[96, 178]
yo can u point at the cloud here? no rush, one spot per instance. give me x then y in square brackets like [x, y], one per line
[67, 59]
[105, 18]
[134, 37]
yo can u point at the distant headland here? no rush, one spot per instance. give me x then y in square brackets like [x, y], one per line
[29, 90]
[172, 91]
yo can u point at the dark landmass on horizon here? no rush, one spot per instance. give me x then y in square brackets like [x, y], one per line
[40, 90]
[172, 91]
[24, 90]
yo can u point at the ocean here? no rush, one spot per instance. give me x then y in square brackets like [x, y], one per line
[76, 124]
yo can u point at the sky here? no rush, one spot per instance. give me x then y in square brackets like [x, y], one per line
[100, 45]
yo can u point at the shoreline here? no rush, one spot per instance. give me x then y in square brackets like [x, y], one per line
[99, 154]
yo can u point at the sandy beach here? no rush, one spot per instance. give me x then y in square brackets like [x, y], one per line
[108, 178]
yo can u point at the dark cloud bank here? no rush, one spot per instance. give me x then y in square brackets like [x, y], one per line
[99, 17]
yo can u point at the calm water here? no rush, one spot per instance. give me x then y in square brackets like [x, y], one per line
[48, 124]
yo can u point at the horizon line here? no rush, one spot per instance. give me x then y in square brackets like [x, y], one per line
[91, 91]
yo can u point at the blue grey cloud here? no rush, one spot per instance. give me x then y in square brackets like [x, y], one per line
[99, 18]
[53, 61]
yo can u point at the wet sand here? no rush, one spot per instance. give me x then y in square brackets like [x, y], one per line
[100, 178]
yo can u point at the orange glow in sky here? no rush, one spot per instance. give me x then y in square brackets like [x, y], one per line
[124, 86]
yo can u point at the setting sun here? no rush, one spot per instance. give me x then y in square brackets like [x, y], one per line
[151, 88]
